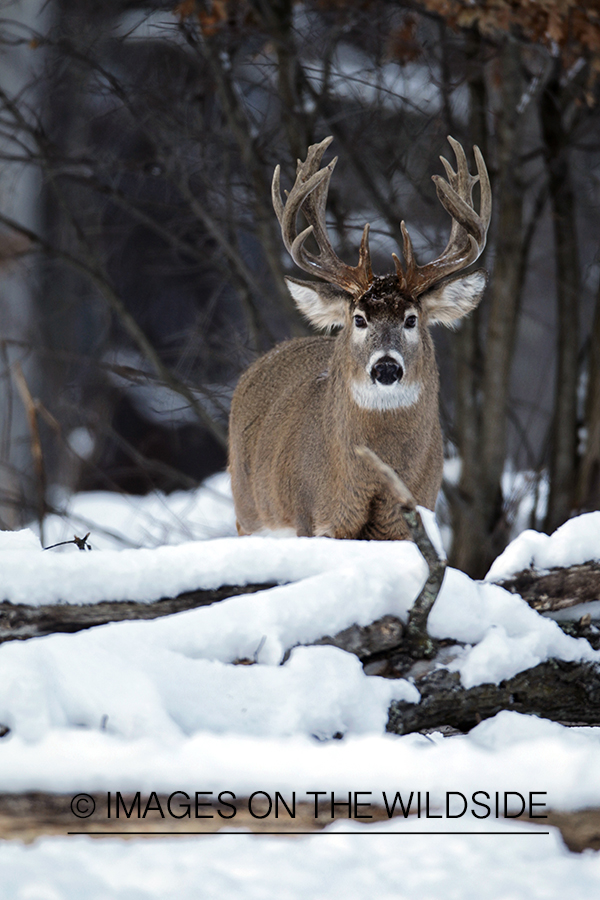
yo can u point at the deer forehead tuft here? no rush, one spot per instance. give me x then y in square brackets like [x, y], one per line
[385, 298]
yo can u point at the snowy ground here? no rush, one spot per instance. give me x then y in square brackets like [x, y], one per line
[158, 706]
[328, 866]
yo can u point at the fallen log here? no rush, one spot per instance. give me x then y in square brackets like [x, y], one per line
[20, 622]
[35, 814]
[562, 691]
[546, 592]
[560, 588]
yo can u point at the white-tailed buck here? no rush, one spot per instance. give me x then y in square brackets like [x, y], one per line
[301, 410]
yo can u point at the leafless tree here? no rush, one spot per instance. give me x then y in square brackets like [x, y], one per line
[153, 267]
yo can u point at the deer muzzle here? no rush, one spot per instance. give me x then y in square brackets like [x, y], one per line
[386, 371]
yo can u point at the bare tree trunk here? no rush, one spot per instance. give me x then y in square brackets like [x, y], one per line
[482, 400]
[19, 189]
[466, 344]
[588, 483]
[277, 17]
[563, 460]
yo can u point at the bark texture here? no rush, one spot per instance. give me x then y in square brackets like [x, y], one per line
[564, 692]
[588, 488]
[483, 376]
[20, 622]
[563, 459]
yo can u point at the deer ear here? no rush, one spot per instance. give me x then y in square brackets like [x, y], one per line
[452, 299]
[324, 305]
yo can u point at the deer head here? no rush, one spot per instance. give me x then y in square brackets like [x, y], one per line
[385, 318]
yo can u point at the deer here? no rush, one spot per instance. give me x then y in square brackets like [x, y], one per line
[302, 410]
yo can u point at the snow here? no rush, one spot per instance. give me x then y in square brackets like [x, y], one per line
[158, 706]
[118, 520]
[574, 543]
[145, 575]
[511, 752]
[389, 865]
[139, 687]
[333, 584]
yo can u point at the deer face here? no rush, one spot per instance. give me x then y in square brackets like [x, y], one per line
[386, 339]
[385, 342]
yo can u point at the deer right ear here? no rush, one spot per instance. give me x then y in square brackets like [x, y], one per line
[454, 298]
[324, 305]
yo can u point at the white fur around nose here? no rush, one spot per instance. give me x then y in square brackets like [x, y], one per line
[370, 394]
[380, 354]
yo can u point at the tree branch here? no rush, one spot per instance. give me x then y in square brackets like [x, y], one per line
[417, 641]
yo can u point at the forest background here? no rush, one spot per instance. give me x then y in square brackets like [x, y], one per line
[142, 265]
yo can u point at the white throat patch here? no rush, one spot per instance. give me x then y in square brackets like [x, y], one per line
[373, 395]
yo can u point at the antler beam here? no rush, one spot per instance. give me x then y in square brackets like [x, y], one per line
[309, 194]
[469, 229]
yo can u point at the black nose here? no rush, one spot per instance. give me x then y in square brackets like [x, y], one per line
[386, 371]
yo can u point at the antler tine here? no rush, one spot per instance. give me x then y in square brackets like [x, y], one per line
[460, 210]
[408, 277]
[315, 211]
[450, 173]
[469, 229]
[314, 156]
[307, 179]
[465, 180]
[409, 253]
[364, 254]
[400, 273]
[485, 204]
[286, 213]
[309, 194]
[460, 181]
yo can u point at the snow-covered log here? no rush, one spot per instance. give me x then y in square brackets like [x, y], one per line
[558, 589]
[19, 621]
[558, 690]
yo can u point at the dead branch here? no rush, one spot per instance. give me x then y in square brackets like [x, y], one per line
[416, 641]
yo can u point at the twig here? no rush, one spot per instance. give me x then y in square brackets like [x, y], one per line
[81, 543]
[419, 644]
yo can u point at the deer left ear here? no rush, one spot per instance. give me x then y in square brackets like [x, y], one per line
[324, 305]
[452, 299]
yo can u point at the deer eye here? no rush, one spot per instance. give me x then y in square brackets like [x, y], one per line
[410, 322]
[360, 321]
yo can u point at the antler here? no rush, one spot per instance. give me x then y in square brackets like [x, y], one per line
[310, 194]
[469, 230]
